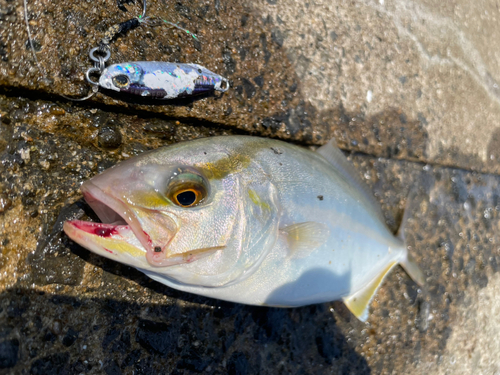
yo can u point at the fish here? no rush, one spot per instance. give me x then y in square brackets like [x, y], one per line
[245, 219]
[161, 80]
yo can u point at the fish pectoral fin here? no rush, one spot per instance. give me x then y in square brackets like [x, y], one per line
[359, 302]
[303, 238]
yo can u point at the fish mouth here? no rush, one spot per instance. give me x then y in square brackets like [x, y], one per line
[114, 213]
[120, 231]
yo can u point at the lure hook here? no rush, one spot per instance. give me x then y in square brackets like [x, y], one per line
[94, 91]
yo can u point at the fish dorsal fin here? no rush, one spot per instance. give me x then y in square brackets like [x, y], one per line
[359, 302]
[332, 153]
[305, 237]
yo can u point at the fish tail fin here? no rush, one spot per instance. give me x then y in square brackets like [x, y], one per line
[413, 270]
[408, 262]
[359, 302]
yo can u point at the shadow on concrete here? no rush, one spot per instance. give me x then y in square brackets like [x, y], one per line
[183, 333]
[177, 102]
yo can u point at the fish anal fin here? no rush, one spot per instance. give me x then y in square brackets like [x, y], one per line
[303, 238]
[359, 302]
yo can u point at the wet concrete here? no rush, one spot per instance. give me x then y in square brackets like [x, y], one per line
[409, 88]
[299, 71]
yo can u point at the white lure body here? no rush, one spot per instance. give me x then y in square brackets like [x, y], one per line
[161, 80]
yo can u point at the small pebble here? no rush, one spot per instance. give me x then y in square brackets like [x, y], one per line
[109, 138]
[56, 327]
[5, 203]
[58, 111]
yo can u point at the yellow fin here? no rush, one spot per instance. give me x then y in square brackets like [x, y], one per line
[359, 302]
[305, 237]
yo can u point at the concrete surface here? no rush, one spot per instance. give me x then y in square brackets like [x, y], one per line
[408, 89]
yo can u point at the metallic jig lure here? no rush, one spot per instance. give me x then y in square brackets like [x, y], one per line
[161, 80]
[148, 79]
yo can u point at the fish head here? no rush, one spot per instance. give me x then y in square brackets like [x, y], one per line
[121, 77]
[198, 215]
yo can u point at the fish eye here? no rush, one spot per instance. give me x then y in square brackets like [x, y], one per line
[187, 190]
[120, 80]
[187, 198]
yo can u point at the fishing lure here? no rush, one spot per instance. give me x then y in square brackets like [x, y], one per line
[149, 79]
[161, 80]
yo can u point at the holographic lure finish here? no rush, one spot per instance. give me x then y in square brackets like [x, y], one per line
[161, 80]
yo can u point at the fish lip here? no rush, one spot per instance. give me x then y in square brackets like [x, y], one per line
[96, 196]
[107, 240]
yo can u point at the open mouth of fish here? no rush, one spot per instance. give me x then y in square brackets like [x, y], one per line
[119, 230]
[120, 233]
